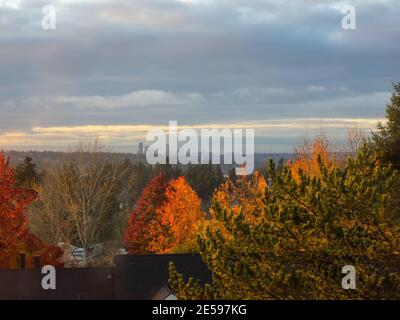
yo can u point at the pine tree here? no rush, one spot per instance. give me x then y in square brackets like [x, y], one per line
[26, 175]
[309, 229]
[204, 179]
[387, 138]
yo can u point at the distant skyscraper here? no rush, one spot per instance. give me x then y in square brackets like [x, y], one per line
[141, 149]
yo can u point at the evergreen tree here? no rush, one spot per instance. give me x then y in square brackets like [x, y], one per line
[204, 179]
[310, 228]
[387, 138]
[171, 171]
[25, 174]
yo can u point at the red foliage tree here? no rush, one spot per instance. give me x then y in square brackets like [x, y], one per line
[15, 237]
[143, 218]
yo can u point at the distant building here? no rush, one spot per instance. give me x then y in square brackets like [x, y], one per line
[75, 257]
[141, 149]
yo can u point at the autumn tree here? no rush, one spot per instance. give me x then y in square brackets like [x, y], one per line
[137, 234]
[244, 194]
[311, 226]
[15, 237]
[309, 154]
[177, 217]
[79, 200]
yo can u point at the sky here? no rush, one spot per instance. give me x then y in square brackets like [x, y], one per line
[114, 69]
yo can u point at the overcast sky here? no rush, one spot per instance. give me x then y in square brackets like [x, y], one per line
[114, 68]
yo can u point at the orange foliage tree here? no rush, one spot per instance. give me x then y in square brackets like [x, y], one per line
[310, 154]
[164, 218]
[178, 218]
[245, 195]
[15, 237]
[142, 224]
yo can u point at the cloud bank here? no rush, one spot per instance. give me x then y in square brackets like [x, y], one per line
[145, 62]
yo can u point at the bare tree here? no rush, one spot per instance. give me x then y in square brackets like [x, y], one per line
[79, 200]
[355, 139]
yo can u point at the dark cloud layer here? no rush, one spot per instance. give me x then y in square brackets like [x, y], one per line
[196, 61]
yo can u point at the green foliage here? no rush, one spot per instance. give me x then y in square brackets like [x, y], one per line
[387, 138]
[26, 175]
[204, 179]
[136, 177]
[309, 230]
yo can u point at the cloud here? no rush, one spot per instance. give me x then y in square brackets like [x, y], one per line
[127, 137]
[10, 4]
[316, 89]
[136, 99]
[122, 62]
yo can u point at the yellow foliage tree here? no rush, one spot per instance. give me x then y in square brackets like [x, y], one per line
[245, 195]
[178, 218]
[309, 155]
